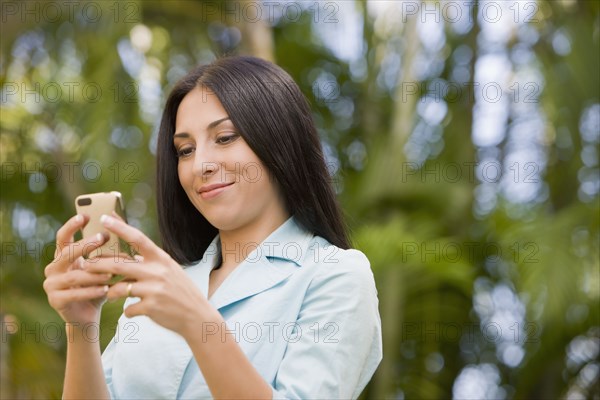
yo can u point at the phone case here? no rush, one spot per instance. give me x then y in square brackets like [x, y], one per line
[94, 205]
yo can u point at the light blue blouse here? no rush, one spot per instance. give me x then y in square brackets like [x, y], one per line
[304, 312]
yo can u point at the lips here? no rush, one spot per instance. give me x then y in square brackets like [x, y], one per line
[213, 190]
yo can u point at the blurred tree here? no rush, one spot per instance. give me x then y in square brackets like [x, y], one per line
[454, 259]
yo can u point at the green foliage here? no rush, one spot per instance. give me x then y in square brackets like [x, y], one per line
[453, 258]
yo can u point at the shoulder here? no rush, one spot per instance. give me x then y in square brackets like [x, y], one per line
[327, 256]
[336, 267]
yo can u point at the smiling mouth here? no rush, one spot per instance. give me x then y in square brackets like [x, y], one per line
[213, 190]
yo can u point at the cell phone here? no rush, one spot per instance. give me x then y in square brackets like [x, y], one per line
[94, 205]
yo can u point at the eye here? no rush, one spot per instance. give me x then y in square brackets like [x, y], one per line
[227, 138]
[185, 152]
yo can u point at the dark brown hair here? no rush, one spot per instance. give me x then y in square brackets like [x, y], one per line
[273, 116]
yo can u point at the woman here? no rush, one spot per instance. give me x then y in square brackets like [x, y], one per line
[270, 302]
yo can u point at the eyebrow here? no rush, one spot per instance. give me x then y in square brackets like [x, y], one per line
[209, 127]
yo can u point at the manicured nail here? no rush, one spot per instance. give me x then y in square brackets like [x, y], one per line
[105, 220]
[99, 237]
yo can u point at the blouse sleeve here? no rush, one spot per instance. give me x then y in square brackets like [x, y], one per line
[335, 346]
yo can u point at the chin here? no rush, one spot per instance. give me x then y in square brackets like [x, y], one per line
[223, 222]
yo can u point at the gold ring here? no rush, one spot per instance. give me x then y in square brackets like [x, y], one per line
[129, 286]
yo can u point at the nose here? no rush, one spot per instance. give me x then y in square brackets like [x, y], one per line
[204, 167]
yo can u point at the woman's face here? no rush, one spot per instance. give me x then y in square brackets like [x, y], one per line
[219, 172]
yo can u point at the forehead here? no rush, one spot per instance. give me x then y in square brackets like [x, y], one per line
[198, 108]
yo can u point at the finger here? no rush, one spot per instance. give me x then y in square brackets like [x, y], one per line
[137, 289]
[66, 232]
[126, 289]
[75, 278]
[130, 248]
[135, 309]
[129, 268]
[56, 266]
[77, 264]
[117, 216]
[61, 298]
[70, 254]
[136, 239]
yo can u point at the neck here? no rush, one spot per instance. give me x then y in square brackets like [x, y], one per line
[237, 244]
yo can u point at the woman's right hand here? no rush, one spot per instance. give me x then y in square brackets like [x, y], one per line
[77, 295]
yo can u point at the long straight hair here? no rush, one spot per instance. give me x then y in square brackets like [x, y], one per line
[273, 116]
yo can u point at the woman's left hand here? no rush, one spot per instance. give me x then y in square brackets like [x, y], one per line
[167, 294]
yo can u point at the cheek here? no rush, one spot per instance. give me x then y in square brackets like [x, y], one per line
[254, 174]
[258, 182]
[183, 176]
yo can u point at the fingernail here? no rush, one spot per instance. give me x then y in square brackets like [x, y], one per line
[105, 289]
[99, 237]
[105, 220]
[79, 218]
